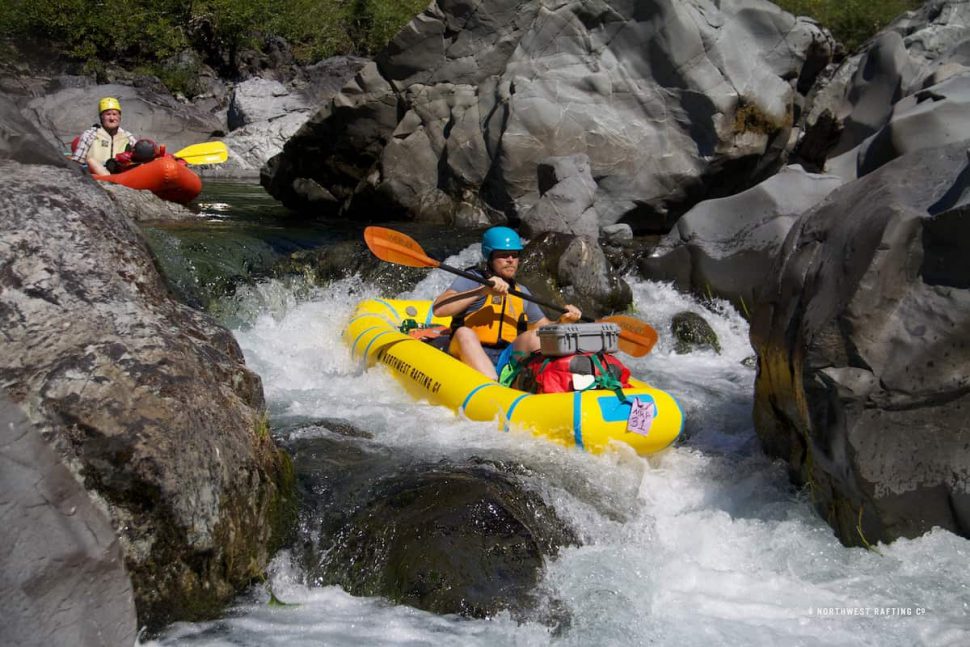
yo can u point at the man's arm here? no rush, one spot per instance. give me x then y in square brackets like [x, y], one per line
[451, 302]
[571, 315]
[84, 145]
[463, 293]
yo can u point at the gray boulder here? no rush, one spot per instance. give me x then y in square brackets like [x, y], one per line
[144, 206]
[253, 144]
[264, 114]
[565, 205]
[562, 268]
[259, 99]
[467, 100]
[861, 339]
[148, 401]
[928, 118]
[724, 247]
[62, 579]
[19, 139]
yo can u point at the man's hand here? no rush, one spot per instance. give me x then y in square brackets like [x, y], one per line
[572, 314]
[499, 285]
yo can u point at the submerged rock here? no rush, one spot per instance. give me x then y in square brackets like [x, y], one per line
[691, 332]
[451, 537]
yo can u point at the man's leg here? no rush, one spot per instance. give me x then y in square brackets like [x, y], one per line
[470, 351]
[527, 342]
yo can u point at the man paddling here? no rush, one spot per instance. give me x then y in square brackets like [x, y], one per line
[101, 142]
[488, 323]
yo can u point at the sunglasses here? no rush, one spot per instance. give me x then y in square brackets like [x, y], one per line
[505, 254]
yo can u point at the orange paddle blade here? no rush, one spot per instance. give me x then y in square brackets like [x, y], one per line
[395, 247]
[636, 337]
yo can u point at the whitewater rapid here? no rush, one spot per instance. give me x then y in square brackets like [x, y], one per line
[703, 544]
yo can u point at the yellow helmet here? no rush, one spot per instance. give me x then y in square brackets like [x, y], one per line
[108, 103]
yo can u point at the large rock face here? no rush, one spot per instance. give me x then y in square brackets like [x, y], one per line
[62, 579]
[863, 350]
[148, 401]
[668, 99]
[906, 90]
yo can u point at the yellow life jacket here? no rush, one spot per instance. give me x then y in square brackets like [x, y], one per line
[498, 320]
[104, 146]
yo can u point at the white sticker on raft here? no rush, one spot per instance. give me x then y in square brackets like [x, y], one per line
[641, 417]
[581, 382]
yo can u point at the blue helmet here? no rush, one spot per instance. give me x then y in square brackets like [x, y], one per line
[500, 239]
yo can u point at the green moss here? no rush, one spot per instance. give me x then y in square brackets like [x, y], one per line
[284, 507]
[262, 427]
[750, 118]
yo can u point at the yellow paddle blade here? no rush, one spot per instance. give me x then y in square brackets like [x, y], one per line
[395, 247]
[636, 337]
[204, 153]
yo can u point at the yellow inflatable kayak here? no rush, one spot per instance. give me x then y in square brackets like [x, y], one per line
[591, 419]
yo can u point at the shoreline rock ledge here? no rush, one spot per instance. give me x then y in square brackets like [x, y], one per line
[147, 401]
[862, 349]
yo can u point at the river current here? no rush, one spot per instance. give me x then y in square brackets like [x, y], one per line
[706, 543]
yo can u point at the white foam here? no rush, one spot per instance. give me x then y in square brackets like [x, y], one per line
[703, 544]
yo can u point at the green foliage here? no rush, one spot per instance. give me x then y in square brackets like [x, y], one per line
[317, 29]
[852, 22]
[182, 79]
[135, 33]
[382, 20]
[113, 29]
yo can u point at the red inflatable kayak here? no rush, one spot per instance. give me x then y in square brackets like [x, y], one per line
[165, 177]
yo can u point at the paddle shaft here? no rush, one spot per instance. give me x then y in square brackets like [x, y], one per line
[522, 295]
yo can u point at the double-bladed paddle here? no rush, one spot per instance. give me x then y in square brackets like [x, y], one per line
[204, 153]
[636, 337]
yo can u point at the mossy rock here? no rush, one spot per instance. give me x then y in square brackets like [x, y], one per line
[692, 332]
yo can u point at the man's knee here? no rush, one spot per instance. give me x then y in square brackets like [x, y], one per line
[527, 341]
[466, 336]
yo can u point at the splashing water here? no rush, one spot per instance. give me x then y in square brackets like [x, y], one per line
[703, 544]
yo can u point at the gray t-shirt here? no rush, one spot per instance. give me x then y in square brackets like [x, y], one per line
[461, 284]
